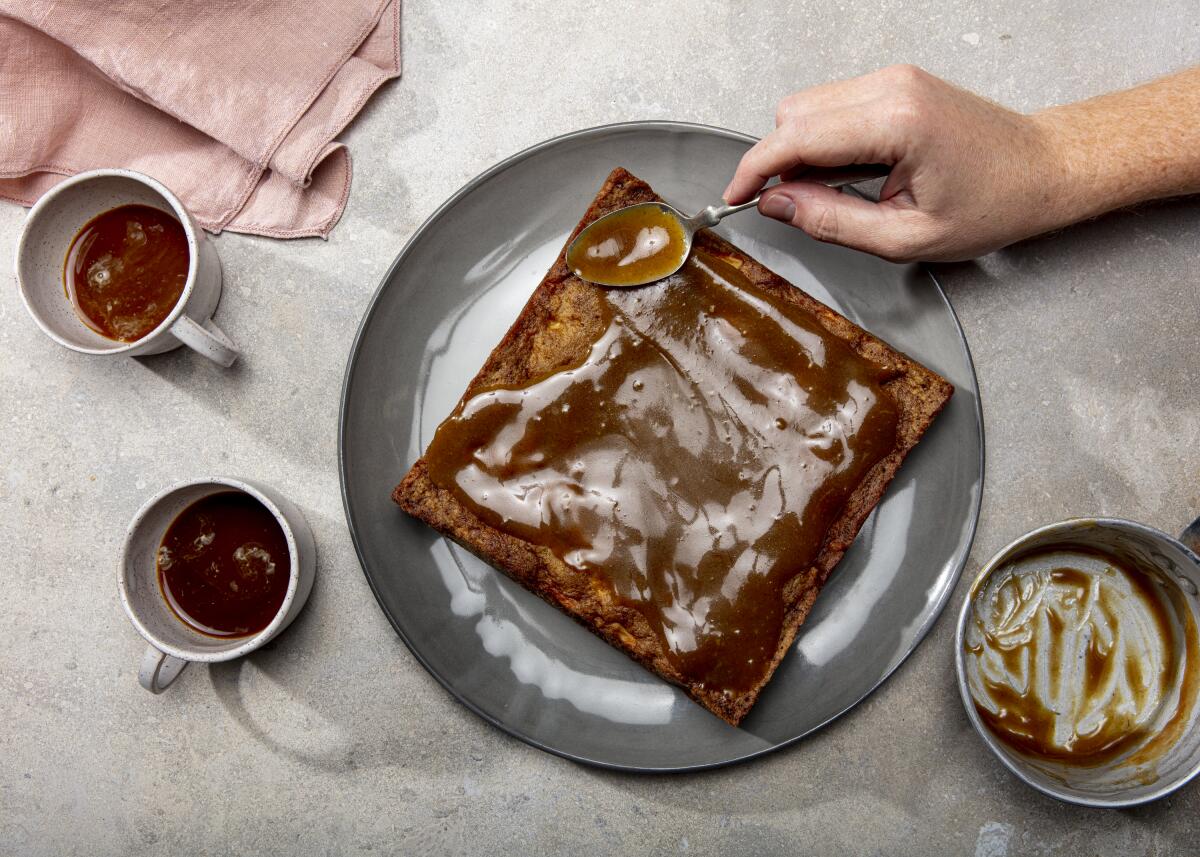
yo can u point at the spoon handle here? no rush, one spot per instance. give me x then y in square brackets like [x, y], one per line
[830, 176]
[842, 176]
[715, 213]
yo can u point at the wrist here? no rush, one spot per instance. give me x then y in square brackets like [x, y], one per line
[1075, 184]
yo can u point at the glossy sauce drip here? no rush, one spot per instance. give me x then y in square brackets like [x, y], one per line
[126, 269]
[692, 464]
[633, 245]
[224, 565]
[1070, 656]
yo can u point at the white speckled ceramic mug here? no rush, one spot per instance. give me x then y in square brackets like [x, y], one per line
[52, 225]
[174, 644]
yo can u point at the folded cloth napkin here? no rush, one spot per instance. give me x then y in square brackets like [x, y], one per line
[234, 106]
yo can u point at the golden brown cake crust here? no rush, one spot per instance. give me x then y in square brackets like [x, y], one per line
[556, 329]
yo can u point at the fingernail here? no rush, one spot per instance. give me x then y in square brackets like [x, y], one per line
[725, 195]
[778, 206]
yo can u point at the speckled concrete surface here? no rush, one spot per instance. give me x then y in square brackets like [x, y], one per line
[335, 741]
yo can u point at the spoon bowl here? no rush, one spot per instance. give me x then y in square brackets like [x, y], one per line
[637, 244]
[650, 241]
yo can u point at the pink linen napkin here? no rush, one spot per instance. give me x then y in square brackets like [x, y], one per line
[234, 106]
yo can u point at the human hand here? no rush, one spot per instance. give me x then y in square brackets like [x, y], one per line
[968, 176]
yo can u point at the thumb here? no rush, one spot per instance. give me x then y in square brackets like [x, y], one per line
[839, 218]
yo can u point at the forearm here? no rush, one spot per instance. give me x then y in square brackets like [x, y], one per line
[1126, 147]
[969, 176]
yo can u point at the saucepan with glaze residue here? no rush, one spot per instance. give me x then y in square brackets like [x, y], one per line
[1079, 660]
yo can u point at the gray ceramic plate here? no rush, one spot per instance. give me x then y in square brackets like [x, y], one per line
[449, 297]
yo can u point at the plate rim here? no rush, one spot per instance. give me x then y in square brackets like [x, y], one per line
[355, 537]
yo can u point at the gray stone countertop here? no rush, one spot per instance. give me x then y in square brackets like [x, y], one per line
[336, 741]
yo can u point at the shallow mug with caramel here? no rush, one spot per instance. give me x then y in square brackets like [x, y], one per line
[1078, 660]
[86, 213]
[181, 618]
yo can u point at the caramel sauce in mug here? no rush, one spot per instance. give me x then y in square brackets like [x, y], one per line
[691, 465]
[126, 270]
[638, 244]
[1071, 658]
[224, 565]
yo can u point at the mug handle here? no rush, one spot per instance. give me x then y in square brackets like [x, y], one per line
[159, 669]
[206, 338]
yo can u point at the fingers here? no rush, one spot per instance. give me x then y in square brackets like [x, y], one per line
[779, 151]
[861, 120]
[827, 138]
[837, 93]
[838, 218]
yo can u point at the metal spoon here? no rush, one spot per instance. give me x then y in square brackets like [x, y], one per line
[831, 177]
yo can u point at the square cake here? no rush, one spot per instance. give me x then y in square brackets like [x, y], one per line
[677, 466]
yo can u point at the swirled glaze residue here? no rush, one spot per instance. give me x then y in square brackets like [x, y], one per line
[1070, 656]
